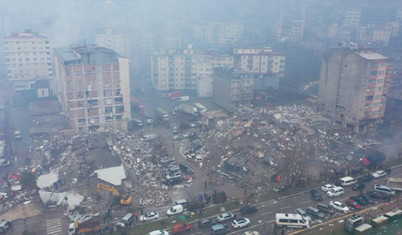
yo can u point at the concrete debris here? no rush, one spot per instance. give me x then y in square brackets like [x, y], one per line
[71, 199]
[45, 181]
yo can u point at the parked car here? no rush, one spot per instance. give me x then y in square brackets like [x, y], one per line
[375, 194]
[366, 178]
[251, 233]
[175, 210]
[303, 214]
[369, 199]
[248, 209]
[358, 186]
[316, 195]
[327, 187]
[186, 169]
[207, 222]
[339, 206]
[149, 216]
[359, 200]
[225, 217]
[334, 192]
[219, 229]
[315, 212]
[158, 232]
[379, 174]
[5, 225]
[363, 199]
[173, 175]
[178, 228]
[353, 204]
[149, 121]
[240, 223]
[384, 190]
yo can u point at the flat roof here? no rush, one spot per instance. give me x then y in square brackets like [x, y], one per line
[371, 55]
[113, 175]
[67, 54]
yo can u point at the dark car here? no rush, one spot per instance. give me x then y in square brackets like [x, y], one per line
[369, 199]
[248, 209]
[359, 200]
[312, 211]
[186, 169]
[363, 199]
[375, 194]
[316, 195]
[173, 181]
[366, 178]
[207, 222]
[358, 186]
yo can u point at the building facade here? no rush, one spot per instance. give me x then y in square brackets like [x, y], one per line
[353, 87]
[93, 87]
[28, 59]
[266, 66]
[115, 41]
[232, 88]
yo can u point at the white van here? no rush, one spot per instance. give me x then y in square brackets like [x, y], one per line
[346, 181]
[128, 219]
[334, 192]
[290, 221]
[175, 210]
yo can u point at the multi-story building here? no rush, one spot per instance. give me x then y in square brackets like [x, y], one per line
[232, 87]
[93, 87]
[267, 66]
[353, 86]
[28, 59]
[352, 17]
[116, 41]
[219, 33]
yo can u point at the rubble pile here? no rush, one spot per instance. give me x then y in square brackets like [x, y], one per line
[293, 141]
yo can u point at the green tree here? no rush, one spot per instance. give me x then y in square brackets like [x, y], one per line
[28, 179]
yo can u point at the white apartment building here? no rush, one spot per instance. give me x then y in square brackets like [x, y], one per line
[28, 59]
[116, 41]
[352, 17]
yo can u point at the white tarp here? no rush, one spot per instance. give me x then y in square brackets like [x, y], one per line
[72, 199]
[45, 181]
[113, 175]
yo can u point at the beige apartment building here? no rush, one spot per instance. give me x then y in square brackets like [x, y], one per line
[93, 87]
[353, 87]
[28, 59]
[117, 41]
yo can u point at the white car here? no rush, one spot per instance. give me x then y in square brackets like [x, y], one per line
[327, 187]
[339, 206]
[149, 216]
[149, 121]
[158, 232]
[174, 175]
[225, 217]
[251, 233]
[379, 174]
[240, 223]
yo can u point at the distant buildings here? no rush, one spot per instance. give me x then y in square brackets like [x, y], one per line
[219, 33]
[232, 88]
[116, 41]
[266, 66]
[93, 87]
[28, 59]
[353, 87]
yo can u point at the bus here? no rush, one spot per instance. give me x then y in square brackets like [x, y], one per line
[200, 108]
[290, 221]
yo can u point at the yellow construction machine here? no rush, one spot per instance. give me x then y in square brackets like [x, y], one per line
[124, 199]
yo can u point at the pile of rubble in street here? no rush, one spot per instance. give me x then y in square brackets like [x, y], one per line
[293, 141]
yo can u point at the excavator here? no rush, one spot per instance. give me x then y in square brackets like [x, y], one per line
[124, 199]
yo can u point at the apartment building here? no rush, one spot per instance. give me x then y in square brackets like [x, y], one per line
[93, 87]
[266, 65]
[232, 87]
[219, 33]
[28, 59]
[353, 86]
[110, 39]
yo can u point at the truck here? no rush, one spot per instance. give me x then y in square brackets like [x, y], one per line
[184, 98]
[92, 225]
[186, 108]
[162, 114]
[174, 95]
[395, 183]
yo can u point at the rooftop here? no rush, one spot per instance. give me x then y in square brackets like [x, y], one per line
[28, 34]
[371, 55]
